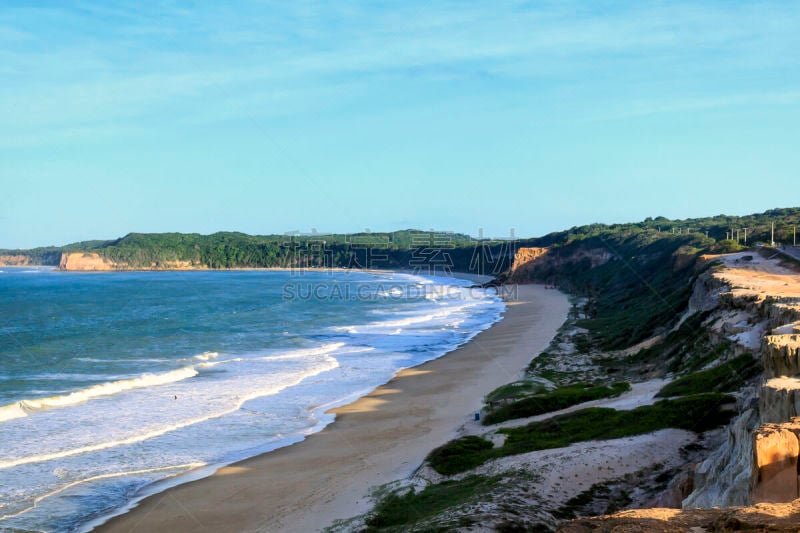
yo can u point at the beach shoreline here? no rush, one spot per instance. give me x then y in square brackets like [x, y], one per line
[375, 439]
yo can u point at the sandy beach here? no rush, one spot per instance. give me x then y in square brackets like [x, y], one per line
[379, 438]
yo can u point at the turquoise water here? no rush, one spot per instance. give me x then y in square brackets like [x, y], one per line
[113, 382]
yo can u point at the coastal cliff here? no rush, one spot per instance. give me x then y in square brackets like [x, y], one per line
[86, 262]
[15, 260]
[751, 480]
[524, 259]
[94, 262]
[571, 437]
[757, 308]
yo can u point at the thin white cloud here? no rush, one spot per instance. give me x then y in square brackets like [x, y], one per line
[125, 64]
[641, 108]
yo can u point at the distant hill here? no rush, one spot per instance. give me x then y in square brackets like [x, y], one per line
[233, 249]
[415, 249]
[634, 278]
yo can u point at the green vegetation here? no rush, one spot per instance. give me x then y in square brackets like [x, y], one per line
[399, 512]
[638, 277]
[555, 400]
[727, 377]
[584, 500]
[460, 455]
[636, 281]
[410, 249]
[694, 413]
[514, 390]
[686, 349]
[716, 227]
[550, 366]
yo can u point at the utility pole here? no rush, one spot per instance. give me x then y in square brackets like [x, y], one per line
[794, 235]
[745, 236]
[772, 235]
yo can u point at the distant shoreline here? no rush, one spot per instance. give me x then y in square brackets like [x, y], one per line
[469, 276]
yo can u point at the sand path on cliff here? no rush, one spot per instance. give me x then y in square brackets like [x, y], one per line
[566, 472]
[642, 393]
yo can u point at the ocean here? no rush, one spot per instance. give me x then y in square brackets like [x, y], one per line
[116, 385]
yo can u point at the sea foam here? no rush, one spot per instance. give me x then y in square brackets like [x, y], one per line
[23, 407]
[327, 364]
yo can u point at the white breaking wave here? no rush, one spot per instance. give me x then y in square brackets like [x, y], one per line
[43, 497]
[404, 322]
[294, 354]
[206, 356]
[12, 411]
[307, 352]
[328, 364]
[23, 407]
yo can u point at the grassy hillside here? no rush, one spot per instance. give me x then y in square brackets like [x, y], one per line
[637, 278]
[641, 250]
[634, 280]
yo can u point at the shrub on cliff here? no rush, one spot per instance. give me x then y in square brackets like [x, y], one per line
[460, 455]
[558, 399]
[727, 377]
[699, 413]
[398, 510]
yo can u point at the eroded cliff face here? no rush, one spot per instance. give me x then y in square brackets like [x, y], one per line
[752, 480]
[775, 450]
[86, 261]
[756, 305]
[524, 260]
[94, 262]
[15, 260]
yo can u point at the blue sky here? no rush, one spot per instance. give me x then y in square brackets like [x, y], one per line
[266, 117]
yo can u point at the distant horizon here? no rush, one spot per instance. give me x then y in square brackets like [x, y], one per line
[475, 235]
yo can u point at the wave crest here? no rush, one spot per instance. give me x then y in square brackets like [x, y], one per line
[23, 407]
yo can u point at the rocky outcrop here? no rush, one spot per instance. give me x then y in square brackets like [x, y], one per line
[782, 517]
[745, 304]
[775, 453]
[706, 293]
[524, 259]
[87, 262]
[15, 260]
[725, 476]
[779, 400]
[782, 355]
[527, 258]
[94, 262]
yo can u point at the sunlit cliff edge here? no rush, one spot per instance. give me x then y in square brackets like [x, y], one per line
[750, 481]
[94, 262]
